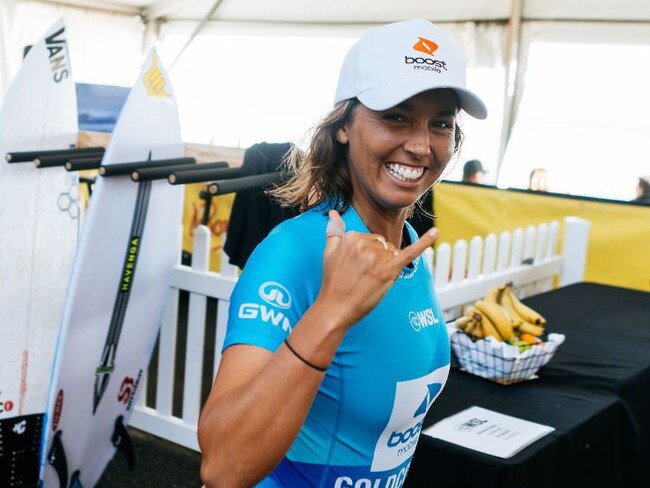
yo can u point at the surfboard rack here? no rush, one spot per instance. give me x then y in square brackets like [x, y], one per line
[221, 187]
[120, 169]
[199, 175]
[54, 160]
[56, 458]
[64, 154]
[163, 172]
[122, 441]
[79, 164]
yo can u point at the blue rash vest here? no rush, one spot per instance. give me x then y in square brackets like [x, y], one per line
[363, 426]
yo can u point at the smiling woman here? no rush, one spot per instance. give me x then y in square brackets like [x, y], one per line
[329, 383]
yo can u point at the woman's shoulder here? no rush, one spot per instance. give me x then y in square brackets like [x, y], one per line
[298, 238]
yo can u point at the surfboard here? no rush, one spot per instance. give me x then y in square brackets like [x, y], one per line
[38, 234]
[118, 286]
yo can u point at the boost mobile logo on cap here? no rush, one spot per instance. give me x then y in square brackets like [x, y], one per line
[275, 294]
[427, 47]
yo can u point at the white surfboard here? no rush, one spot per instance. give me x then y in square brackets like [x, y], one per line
[117, 290]
[39, 217]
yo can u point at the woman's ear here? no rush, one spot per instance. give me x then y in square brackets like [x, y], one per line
[342, 135]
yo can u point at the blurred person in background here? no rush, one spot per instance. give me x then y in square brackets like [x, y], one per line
[643, 191]
[473, 172]
[538, 180]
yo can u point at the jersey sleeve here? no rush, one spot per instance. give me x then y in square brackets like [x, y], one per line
[278, 284]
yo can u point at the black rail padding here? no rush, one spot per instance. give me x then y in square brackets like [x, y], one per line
[79, 164]
[55, 160]
[89, 182]
[146, 174]
[29, 156]
[245, 183]
[199, 175]
[204, 195]
[128, 168]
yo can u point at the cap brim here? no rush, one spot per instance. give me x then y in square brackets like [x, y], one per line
[396, 91]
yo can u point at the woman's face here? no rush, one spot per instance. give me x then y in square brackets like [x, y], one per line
[396, 155]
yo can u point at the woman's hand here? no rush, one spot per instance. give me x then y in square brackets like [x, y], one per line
[358, 270]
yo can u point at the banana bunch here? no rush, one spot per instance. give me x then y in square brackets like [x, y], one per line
[501, 314]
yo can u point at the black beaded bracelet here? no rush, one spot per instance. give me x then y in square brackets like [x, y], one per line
[308, 363]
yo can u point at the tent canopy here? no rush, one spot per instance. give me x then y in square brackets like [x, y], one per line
[374, 11]
[557, 75]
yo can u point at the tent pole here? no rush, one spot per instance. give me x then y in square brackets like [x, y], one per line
[198, 29]
[512, 82]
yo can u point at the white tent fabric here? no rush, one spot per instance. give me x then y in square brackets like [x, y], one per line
[106, 47]
[108, 38]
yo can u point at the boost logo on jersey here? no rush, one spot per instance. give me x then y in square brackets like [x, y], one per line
[275, 294]
[397, 442]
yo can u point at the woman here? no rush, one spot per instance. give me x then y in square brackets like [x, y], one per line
[336, 346]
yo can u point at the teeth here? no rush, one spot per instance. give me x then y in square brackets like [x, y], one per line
[406, 173]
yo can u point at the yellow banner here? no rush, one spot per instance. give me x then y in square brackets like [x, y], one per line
[219, 216]
[619, 239]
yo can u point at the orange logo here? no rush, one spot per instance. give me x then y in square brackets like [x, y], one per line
[425, 46]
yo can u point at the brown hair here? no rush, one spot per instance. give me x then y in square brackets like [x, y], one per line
[321, 174]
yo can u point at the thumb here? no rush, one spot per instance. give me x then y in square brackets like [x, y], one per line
[335, 225]
[334, 231]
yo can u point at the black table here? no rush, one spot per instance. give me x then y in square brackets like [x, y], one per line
[595, 392]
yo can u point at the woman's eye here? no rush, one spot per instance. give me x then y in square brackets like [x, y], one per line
[442, 124]
[395, 117]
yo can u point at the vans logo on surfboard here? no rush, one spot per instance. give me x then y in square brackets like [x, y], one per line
[57, 53]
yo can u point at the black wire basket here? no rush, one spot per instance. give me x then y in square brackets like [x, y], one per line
[501, 362]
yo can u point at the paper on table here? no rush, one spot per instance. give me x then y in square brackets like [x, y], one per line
[488, 432]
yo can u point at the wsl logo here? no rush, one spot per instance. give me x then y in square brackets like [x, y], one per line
[421, 319]
[275, 294]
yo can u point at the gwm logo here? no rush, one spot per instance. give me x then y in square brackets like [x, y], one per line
[425, 46]
[423, 318]
[275, 294]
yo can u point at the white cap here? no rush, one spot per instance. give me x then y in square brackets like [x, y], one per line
[397, 61]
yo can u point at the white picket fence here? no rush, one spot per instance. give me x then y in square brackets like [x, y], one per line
[463, 273]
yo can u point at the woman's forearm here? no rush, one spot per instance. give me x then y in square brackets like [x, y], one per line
[253, 416]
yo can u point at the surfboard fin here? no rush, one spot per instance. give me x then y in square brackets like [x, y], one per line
[74, 480]
[122, 441]
[56, 458]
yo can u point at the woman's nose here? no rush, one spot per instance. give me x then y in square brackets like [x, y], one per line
[418, 143]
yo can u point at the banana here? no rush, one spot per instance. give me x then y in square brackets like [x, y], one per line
[498, 317]
[474, 329]
[524, 311]
[462, 323]
[471, 311]
[492, 295]
[489, 329]
[528, 328]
